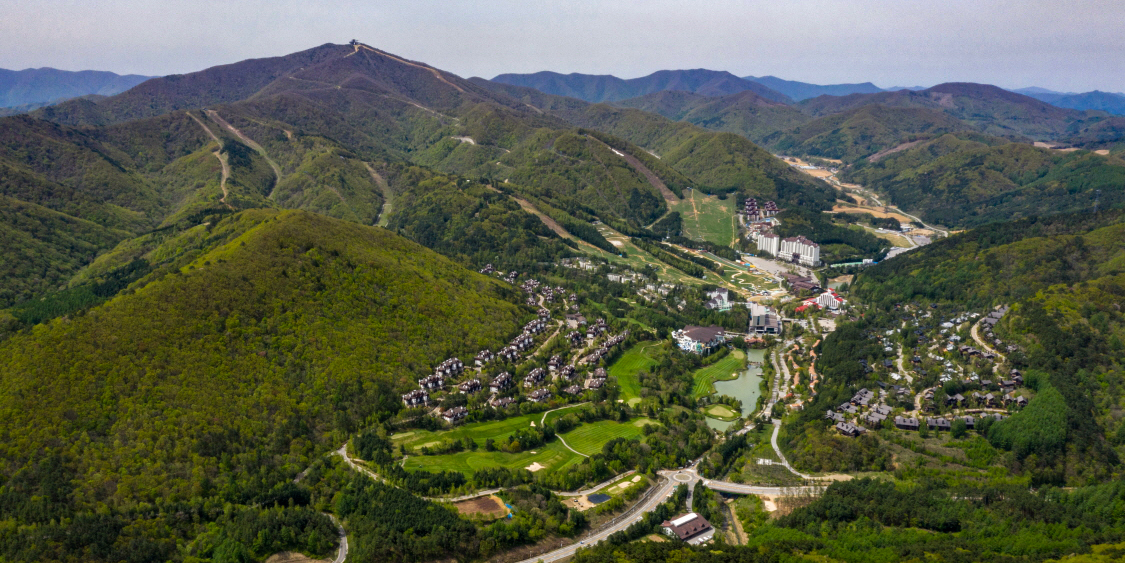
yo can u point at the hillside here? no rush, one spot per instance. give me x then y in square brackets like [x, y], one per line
[1108, 134]
[607, 88]
[857, 133]
[1061, 276]
[744, 113]
[714, 162]
[303, 131]
[989, 109]
[970, 180]
[803, 90]
[36, 86]
[256, 343]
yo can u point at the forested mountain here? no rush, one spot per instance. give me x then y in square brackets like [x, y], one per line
[971, 179]
[249, 346]
[35, 86]
[803, 90]
[606, 88]
[1063, 278]
[744, 113]
[1107, 134]
[990, 109]
[864, 131]
[715, 162]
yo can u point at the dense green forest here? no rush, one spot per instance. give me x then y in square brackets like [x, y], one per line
[277, 338]
[863, 131]
[970, 180]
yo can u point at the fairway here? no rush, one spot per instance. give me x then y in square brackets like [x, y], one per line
[589, 438]
[478, 431]
[636, 359]
[707, 217]
[551, 457]
[719, 371]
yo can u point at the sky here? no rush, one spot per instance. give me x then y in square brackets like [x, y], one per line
[1076, 45]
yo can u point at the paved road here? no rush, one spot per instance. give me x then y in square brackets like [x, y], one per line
[656, 495]
[342, 550]
[781, 456]
[741, 489]
[980, 341]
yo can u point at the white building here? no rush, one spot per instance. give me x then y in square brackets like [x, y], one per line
[768, 243]
[718, 300]
[800, 250]
[828, 300]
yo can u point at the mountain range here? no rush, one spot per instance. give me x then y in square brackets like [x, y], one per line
[803, 90]
[213, 280]
[33, 87]
[606, 88]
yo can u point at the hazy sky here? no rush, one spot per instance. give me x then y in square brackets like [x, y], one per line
[1071, 45]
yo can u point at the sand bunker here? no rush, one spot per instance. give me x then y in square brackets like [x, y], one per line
[534, 467]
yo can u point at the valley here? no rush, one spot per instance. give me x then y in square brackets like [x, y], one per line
[340, 303]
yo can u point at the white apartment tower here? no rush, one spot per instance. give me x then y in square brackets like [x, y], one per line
[769, 242]
[800, 250]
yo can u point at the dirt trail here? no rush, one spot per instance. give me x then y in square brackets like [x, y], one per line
[551, 223]
[224, 178]
[637, 165]
[385, 213]
[879, 155]
[214, 115]
[223, 161]
[434, 71]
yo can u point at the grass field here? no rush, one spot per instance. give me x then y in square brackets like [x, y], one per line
[478, 431]
[721, 370]
[552, 457]
[707, 217]
[625, 369]
[589, 438]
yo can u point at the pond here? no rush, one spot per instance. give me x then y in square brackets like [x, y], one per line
[745, 388]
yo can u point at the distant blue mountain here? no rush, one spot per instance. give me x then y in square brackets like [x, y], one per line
[803, 90]
[40, 86]
[1109, 102]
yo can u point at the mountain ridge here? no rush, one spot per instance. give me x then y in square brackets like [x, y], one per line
[608, 88]
[804, 90]
[37, 86]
